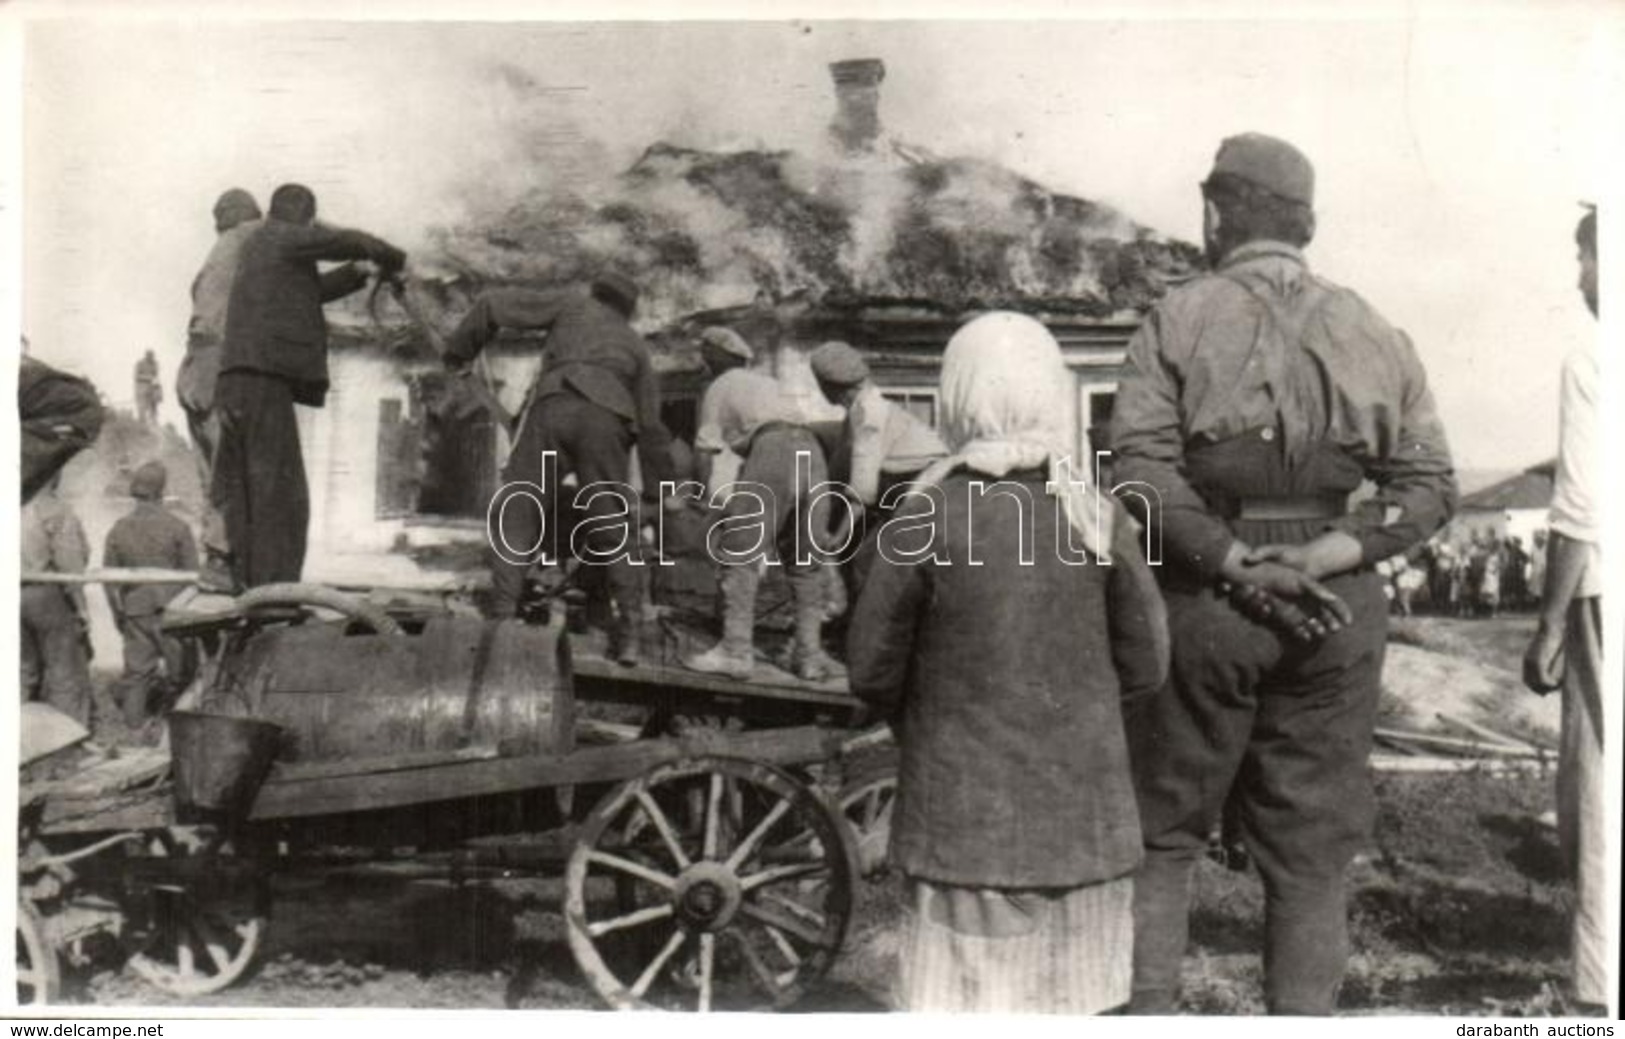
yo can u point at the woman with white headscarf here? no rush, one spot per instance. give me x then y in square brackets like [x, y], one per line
[1009, 615]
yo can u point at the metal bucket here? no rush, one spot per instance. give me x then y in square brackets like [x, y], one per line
[219, 761]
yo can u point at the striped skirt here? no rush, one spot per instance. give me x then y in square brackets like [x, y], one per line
[1055, 951]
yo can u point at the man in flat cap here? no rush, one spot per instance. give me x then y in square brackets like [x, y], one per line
[883, 445]
[147, 536]
[753, 438]
[597, 396]
[1257, 398]
[275, 356]
[236, 216]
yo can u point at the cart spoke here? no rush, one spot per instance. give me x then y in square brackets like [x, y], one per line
[652, 971]
[785, 948]
[663, 826]
[183, 957]
[748, 845]
[805, 912]
[633, 919]
[775, 874]
[787, 923]
[708, 957]
[713, 815]
[209, 938]
[642, 872]
[753, 959]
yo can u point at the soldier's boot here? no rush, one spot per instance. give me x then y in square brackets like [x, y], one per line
[626, 618]
[809, 661]
[735, 655]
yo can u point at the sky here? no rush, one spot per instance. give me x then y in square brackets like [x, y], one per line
[1452, 149]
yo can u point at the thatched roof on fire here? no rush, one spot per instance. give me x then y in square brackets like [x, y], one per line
[705, 232]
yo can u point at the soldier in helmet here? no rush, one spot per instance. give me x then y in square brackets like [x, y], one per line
[1257, 398]
[147, 536]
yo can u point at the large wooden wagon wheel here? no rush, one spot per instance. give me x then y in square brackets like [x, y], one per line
[866, 801]
[198, 941]
[39, 975]
[708, 884]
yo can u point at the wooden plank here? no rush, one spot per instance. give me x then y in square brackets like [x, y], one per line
[779, 685]
[293, 771]
[114, 575]
[1471, 747]
[1431, 764]
[284, 798]
[1484, 732]
[148, 810]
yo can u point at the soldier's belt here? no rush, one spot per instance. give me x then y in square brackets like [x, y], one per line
[1292, 507]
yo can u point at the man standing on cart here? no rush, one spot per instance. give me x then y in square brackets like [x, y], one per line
[597, 396]
[747, 420]
[275, 356]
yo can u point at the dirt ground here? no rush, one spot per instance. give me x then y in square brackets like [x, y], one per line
[1459, 907]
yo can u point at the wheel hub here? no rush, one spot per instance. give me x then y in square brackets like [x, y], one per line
[707, 896]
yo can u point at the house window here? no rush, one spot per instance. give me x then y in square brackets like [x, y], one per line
[919, 401]
[1095, 400]
[436, 453]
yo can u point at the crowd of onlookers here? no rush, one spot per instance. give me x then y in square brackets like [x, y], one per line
[1481, 576]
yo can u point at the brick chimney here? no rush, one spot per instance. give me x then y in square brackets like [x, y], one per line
[856, 126]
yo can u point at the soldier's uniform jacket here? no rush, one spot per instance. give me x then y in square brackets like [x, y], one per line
[148, 536]
[1263, 380]
[591, 352]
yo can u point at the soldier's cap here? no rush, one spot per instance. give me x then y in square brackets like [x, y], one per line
[616, 288]
[1269, 163]
[147, 482]
[728, 341]
[235, 206]
[838, 364]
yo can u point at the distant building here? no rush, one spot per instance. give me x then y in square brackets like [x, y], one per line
[1513, 507]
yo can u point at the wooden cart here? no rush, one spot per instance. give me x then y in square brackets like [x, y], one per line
[715, 868]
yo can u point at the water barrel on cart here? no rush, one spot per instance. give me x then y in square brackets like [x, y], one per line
[460, 683]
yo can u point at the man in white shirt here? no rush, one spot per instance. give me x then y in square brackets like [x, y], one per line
[1566, 651]
[753, 436]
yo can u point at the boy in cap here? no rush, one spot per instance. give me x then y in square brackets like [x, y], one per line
[749, 429]
[1257, 398]
[597, 396]
[147, 536]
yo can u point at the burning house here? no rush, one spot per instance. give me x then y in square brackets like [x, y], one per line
[868, 240]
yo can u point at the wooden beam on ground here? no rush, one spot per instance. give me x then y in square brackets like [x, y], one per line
[1481, 747]
[1490, 734]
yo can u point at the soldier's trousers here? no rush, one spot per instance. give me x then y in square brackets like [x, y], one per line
[1290, 728]
[153, 663]
[54, 667]
[259, 478]
[195, 391]
[595, 444]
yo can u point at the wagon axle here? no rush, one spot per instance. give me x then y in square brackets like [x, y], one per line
[707, 896]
